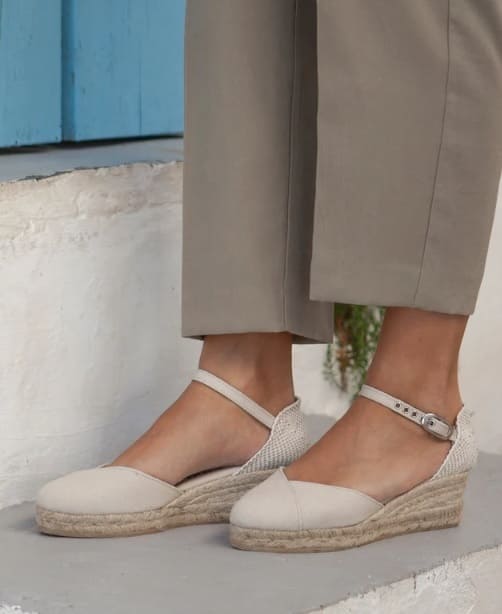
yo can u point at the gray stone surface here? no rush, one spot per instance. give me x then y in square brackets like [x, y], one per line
[193, 570]
[45, 161]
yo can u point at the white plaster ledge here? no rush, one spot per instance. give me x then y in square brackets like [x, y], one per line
[13, 609]
[467, 585]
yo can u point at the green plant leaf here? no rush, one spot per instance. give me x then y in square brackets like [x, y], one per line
[357, 328]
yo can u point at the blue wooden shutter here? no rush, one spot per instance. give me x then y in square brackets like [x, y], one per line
[123, 68]
[30, 72]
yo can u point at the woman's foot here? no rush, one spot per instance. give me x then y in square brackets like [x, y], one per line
[356, 503]
[203, 430]
[375, 474]
[144, 490]
[372, 449]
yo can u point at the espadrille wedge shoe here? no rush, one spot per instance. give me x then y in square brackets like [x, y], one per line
[280, 515]
[118, 501]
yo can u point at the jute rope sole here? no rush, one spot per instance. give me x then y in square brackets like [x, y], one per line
[435, 504]
[208, 503]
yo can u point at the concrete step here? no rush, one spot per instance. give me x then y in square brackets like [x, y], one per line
[193, 570]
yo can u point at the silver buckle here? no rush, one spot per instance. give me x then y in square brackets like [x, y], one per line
[430, 422]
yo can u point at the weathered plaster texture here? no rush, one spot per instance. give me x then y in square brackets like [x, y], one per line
[468, 585]
[90, 350]
[89, 344]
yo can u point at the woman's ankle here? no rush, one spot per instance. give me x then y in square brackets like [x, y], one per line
[258, 364]
[417, 359]
[430, 392]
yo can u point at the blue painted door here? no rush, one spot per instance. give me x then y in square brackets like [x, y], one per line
[123, 68]
[90, 69]
[30, 72]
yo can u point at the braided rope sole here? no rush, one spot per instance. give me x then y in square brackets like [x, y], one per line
[208, 503]
[436, 504]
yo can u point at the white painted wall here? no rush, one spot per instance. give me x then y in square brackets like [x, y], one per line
[89, 312]
[90, 350]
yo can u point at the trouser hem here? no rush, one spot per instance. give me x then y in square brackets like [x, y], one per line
[302, 334]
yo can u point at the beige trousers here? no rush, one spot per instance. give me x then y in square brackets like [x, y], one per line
[338, 150]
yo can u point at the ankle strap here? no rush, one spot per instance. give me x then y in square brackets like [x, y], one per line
[430, 422]
[236, 396]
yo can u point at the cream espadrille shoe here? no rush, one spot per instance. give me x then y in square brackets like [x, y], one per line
[280, 515]
[120, 501]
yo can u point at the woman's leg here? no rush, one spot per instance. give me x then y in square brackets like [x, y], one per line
[410, 152]
[249, 182]
[409, 159]
[249, 171]
[370, 448]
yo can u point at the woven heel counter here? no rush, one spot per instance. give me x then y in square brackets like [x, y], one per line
[288, 440]
[302, 440]
[464, 452]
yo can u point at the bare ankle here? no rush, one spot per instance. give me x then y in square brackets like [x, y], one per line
[259, 364]
[425, 388]
[417, 359]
